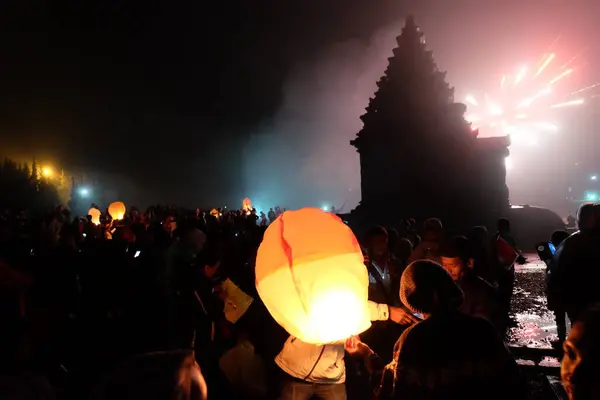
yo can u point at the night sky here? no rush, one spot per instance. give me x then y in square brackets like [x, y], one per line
[159, 100]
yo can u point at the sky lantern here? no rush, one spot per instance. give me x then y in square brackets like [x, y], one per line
[311, 277]
[117, 210]
[247, 204]
[214, 212]
[95, 214]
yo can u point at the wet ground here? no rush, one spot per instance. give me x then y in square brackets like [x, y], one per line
[535, 325]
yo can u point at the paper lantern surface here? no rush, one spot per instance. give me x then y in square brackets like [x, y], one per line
[311, 277]
[95, 214]
[247, 204]
[117, 210]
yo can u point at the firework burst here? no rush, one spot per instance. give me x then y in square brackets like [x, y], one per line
[525, 100]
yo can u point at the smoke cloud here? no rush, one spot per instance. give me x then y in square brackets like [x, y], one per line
[302, 157]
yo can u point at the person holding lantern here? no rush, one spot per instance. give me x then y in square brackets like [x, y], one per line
[315, 285]
[384, 283]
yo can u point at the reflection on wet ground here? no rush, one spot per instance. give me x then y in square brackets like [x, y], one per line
[535, 325]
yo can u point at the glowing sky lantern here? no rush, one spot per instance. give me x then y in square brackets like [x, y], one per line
[214, 212]
[117, 210]
[247, 204]
[95, 214]
[311, 277]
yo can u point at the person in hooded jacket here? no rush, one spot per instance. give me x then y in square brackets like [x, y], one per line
[449, 355]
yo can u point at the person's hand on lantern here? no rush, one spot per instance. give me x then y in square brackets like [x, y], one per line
[355, 347]
[402, 317]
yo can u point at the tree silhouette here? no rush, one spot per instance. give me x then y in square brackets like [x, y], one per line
[21, 189]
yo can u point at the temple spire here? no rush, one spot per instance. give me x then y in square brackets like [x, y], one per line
[413, 90]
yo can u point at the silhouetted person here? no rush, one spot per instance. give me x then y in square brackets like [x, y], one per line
[433, 234]
[559, 314]
[574, 271]
[448, 355]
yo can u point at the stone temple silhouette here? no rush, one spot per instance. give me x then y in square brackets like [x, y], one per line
[419, 157]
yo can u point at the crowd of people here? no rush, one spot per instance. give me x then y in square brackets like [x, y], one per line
[162, 304]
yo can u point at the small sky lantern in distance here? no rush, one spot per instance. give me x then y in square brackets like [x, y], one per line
[247, 204]
[95, 214]
[215, 213]
[311, 277]
[117, 210]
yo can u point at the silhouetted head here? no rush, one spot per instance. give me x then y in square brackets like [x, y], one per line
[478, 235]
[456, 256]
[377, 241]
[426, 288]
[403, 249]
[585, 217]
[433, 230]
[503, 225]
[558, 237]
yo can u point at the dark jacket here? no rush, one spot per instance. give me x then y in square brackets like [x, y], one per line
[479, 297]
[453, 356]
[575, 273]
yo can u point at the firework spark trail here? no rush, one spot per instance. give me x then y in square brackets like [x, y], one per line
[520, 75]
[568, 103]
[560, 76]
[521, 109]
[548, 60]
[585, 89]
[554, 42]
[565, 65]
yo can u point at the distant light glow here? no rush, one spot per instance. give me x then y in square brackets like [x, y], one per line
[591, 196]
[495, 110]
[594, 177]
[471, 100]
[473, 118]
[84, 192]
[546, 126]
[47, 172]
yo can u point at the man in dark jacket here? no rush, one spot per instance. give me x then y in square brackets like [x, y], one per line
[479, 298]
